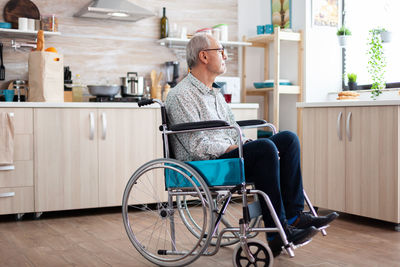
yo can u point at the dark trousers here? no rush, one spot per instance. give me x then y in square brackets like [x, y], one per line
[276, 173]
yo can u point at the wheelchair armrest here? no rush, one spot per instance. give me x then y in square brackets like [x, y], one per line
[198, 125]
[251, 123]
[247, 124]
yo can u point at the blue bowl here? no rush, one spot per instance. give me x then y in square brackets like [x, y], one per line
[268, 84]
[5, 25]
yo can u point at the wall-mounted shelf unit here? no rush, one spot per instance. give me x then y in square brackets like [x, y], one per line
[263, 41]
[14, 34]
[28, 36]
[177, 42]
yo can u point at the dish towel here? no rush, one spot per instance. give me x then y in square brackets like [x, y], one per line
[6, 138]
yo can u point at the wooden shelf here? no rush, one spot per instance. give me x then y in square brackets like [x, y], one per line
[265, 41]
[267, 38]
[283, 89]
[14, 33]
[183, 42]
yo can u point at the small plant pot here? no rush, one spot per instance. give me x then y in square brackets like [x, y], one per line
[352, 85]
[343, 39]
[386, 37]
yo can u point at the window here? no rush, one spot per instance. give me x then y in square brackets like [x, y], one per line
[360, 16]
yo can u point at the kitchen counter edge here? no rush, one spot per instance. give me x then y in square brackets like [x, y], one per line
[97, 105]
[348, 103]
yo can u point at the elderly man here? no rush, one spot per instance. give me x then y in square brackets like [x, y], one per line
[272, 164]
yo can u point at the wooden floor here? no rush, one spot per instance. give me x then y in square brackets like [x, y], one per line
[97, 238]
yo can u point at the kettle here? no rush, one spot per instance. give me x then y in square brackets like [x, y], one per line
[132, 85]
[21, 89]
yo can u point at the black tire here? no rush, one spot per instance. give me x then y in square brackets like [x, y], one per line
[259, 250]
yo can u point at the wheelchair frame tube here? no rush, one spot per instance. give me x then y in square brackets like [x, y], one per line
[269, 125]
[172, 223]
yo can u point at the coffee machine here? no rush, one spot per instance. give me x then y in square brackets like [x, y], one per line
[172, 72]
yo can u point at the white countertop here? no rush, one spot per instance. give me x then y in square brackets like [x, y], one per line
[98, 105]
[345, 103]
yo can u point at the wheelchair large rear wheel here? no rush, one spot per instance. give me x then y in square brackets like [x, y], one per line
[155, 228]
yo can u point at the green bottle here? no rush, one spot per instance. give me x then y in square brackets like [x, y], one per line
[164, 25]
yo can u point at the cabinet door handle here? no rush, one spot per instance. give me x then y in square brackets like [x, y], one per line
[338, 128]
[8, 194]
[7, 168]
[104, 129]
[11, 114]
[348, 132]
[91, 126]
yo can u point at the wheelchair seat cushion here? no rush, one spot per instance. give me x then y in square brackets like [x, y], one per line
[218, 172]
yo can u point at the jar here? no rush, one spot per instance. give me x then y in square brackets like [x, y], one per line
[49, 23]
[224, 31]
[77, 89]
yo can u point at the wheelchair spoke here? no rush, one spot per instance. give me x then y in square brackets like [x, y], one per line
[154, 227]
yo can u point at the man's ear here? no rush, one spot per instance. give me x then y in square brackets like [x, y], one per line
[203, 57]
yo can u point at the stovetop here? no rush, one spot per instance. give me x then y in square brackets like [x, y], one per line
[115, 99]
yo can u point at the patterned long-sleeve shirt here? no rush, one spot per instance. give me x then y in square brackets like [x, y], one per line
[193, 101]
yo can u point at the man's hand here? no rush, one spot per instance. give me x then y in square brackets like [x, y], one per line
[230, 148]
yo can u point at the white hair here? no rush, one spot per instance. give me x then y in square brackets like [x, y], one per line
[199, 42]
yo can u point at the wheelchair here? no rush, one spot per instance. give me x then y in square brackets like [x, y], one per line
[194, 208]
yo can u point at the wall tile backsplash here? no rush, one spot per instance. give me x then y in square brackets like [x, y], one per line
[101, 51]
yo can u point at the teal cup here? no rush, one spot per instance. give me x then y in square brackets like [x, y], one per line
[8, 94]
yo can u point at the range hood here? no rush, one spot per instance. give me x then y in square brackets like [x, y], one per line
[122, 10]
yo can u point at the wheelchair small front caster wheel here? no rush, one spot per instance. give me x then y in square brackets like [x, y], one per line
[259, 250]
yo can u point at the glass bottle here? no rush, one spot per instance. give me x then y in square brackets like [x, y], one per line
[164, 25]
[77, 89]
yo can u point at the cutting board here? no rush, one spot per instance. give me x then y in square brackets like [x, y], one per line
[15, 9]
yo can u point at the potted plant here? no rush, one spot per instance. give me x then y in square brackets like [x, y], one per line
[343, 34]
[386, 36]
[376, 62]
[352, 81]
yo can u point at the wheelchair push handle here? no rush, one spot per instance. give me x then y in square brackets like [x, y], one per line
[145, 102]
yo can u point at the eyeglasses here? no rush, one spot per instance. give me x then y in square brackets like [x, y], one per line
[221, 50]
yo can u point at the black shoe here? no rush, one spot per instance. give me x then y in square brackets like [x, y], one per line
[294, 235]
[305, 220]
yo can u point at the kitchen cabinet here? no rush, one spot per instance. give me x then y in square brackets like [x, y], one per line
[16, 181]
[92, 153]
[350, 159]
[126, 141]
[66, 159]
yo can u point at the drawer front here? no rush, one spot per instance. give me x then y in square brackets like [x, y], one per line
[16, 200]
[23, 119]
[22, 175]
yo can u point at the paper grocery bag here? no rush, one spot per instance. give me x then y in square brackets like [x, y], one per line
[6, 139]
[46, 77]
